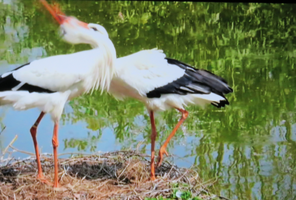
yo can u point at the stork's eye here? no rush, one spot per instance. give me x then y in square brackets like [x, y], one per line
[94, 28]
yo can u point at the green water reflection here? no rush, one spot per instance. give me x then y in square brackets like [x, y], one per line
[250, 145]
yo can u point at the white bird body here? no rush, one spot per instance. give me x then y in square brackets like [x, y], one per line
[136, 74]
[142, 72]
[60, 78]
[49, 103]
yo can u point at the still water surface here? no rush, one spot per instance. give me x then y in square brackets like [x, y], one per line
[250, 145]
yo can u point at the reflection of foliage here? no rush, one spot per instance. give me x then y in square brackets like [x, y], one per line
[102, 111]
[91, 142]
[250, 45]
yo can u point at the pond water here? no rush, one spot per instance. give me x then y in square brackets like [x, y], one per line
[249, 146]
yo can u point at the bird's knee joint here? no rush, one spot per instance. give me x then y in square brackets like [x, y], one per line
[152, 158]
[55, 143]
[185, 114]
[33, 130]
[34, 127]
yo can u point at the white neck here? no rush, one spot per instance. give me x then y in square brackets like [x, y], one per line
[106, 69]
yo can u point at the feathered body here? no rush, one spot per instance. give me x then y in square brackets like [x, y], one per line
[164, 83]
[50, 82]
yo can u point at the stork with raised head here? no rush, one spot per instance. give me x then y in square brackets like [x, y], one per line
[50, 82]
[159, 82]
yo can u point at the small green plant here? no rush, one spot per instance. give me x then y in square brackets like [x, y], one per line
[177, 194]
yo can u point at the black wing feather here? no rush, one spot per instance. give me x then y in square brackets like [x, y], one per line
[194, 81]
[8, 82]
[21, 66]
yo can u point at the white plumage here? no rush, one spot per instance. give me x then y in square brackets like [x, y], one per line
[148, 69]
[66, 76]
[160, 83]
[142, 72]
[50, 82]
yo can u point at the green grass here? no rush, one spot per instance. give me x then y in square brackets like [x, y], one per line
[177, 194]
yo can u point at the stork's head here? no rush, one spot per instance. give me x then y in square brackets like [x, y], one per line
[75, 31]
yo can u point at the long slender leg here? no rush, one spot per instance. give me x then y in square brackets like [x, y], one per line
[153, 137]
[162, 149]
[33, 131]
[55, 144]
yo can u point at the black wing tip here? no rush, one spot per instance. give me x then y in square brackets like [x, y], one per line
[198, 77]
[229, 90]
[221, 104]
[174, 61]
[201, 71]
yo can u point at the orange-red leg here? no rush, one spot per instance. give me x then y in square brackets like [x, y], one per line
[55, 144]
[33, 131]
[162, 149]
[153, 137]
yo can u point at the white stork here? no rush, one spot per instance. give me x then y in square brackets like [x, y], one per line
[159, 82]
[50, 82]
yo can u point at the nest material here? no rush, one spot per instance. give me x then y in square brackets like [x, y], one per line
[116, 175]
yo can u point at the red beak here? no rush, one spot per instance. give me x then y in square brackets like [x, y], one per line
[59, 16]
[55, 12]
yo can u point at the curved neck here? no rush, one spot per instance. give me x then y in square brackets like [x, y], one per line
[106, 69]
[107, 47]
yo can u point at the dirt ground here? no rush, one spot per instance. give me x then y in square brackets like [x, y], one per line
[116, 175]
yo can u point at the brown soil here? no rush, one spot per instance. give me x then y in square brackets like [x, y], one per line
[117, 175]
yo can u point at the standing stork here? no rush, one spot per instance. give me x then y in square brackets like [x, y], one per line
[50, 82]
[159, 82]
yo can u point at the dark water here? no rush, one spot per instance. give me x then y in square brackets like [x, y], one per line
[249, 146]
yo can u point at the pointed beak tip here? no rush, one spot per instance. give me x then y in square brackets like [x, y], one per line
[57, 14]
